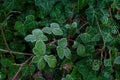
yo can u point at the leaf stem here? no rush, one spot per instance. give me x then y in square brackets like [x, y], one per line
[20, 68]
[5, 41]
[7, 51]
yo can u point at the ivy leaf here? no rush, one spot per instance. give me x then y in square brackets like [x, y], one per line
[41, 64]
[81, 50]
[74, 25]
[67, 53]
[57, 31]
[40, 48]
[47, 30]
[62, 42]
[51, 60]
[60, 52]
[117, 60]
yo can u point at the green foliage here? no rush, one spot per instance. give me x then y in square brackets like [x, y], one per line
[59, 39]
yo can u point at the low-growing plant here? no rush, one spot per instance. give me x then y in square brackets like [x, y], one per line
[60, 39]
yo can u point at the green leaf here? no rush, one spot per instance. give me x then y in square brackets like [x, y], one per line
[43, 37]
[75, 45]
[107, 62]
[54, 25]
[62, 42]
[39, 78]
[41, 64]
[36, 35]
[90, 12]
[117, 60]
[60, 52]
[47, 30]
[57, 31]
[30, 23]
[82, 4]
[35, 59]
[40, 48]
[81, 50]
[67, 26]
[20, 27]
[51, 60]
[30, 38]
[104, 19]
[107, 37]
[96, 65]
[85, 37]
[74, 25]
[67, 53]
[37, 32]
[45, 4]
[117, 16]
[68, 77]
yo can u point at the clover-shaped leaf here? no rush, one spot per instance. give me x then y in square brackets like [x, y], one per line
[40, 48]
[36, 35]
